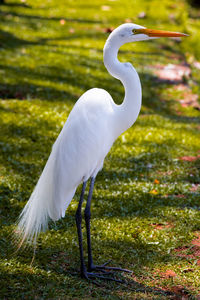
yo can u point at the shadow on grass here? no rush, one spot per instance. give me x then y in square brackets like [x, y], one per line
[15, 4]
[55, 269]
[21, 157]
[57, 75]
[23, 90]
[151, 98]
[34, 18]
[64, 267]
[24, 158]
[9, 40]
[27, 284]
[53, 74]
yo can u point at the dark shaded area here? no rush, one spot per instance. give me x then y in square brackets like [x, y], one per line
[22, 90]
[26, 91]
[17, 156]
[140, 204]
[9, 40]
[151, 97]
[53, 285]
[15, 4]
[32, 18]
[194, 3]
[45, 259]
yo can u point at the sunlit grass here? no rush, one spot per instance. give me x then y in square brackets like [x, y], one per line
[146, 198]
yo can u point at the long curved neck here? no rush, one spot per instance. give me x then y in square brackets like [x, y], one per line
[126, 113]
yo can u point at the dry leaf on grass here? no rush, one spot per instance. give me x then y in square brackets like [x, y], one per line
[108, 29]
[161, 226]
[195, 187]
[168, 274]
[62, 22]
[196, 242]
[189, 158]
[105, 7]
[156, 181]
[142, 15]
[173, 73]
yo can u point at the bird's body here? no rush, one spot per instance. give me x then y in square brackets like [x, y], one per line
[77, 154]
[82, 133]
[87, 136]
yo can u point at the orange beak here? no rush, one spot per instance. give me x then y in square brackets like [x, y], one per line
[159, 33]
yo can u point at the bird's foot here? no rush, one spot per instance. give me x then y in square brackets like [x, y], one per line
[104, 268]
[91, 275]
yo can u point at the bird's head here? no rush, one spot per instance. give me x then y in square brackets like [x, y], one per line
[129, 32]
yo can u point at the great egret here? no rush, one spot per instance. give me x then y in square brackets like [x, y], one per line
[79, 151]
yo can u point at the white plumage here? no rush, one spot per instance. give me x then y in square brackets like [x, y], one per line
[77, 154]
[88, 134]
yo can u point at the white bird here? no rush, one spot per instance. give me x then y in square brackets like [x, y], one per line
[78, 154]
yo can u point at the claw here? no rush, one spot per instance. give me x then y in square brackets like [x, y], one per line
[91, 275]
[118, 269]
[95, 275]
[103, 268]
[104, 271]
[106, 263]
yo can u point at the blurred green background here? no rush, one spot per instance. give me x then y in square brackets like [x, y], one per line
[145, 209]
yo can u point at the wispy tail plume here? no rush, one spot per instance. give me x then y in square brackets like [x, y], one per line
[50, 198]
[38, 210]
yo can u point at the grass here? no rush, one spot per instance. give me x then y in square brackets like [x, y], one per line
[145, 209]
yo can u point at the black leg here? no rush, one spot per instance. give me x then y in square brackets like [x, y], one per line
[87, 221]
[79, 230]
[91, 266]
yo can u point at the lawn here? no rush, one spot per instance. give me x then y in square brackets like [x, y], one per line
[146, 201]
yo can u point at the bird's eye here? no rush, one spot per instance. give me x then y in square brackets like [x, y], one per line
[134, 31]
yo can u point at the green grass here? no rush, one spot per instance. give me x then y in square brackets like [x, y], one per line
[45, 67]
